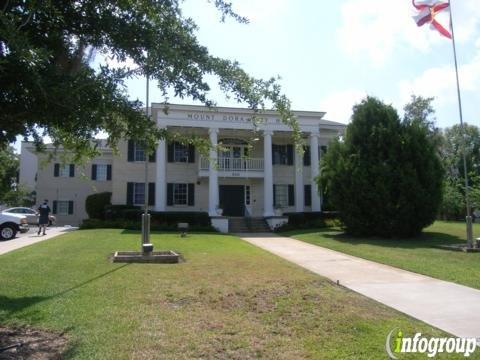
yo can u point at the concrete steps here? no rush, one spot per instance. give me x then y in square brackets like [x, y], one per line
[248, 225]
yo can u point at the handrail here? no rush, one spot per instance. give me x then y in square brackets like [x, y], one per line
[234, 164]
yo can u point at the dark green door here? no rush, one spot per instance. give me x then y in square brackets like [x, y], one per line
[232, 199]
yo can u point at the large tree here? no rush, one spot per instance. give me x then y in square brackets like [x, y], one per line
[384, 176]
[49, 86]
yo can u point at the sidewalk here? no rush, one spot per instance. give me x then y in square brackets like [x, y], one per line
[31, 237]
[447, 306]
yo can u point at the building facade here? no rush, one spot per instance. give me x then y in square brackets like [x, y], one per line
[252, 169]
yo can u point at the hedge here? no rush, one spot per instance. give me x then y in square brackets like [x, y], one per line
[95, 204]
[136, 225]
[307, 220]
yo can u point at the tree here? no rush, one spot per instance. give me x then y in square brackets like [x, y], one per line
[8, 171]
[420, 111]
[384, 177]
[49, 86]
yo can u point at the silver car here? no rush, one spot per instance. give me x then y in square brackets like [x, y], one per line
[31, 214]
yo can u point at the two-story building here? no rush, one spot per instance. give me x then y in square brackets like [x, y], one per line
[246, 173]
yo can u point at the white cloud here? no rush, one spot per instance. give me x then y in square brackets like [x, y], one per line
[376, 29]
[440, 82]
[339, 105]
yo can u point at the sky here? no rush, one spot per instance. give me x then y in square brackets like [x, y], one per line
[331, 54]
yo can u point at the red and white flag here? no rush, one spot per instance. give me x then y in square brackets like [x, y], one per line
[433, 12]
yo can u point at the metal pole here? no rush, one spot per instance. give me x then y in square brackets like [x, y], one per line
[470, 242]
[145, 218]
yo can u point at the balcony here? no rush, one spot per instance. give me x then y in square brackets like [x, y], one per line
[234, 167]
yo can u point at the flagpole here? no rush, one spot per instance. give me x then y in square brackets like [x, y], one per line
[470, 242]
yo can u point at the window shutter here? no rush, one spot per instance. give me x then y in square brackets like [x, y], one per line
[56, 170]
[72, 170]
[169, 194]
[152, 157]
[70, 207]
[274, 195]
[306, 156]
[170, 152]
[109, 172]
[191, 153]
[94, 172]
[289, 154]
[191, 194]
[54, 206]
[307, 191]
[151, 194]
[129, 193]
[274, 158]
[291, 195]
[131, 149]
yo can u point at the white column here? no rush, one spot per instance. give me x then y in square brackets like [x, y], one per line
[315, 169]
[299, 189]
[161, 178]
[268, 174]
[213, 200]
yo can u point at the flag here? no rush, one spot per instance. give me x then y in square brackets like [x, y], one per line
[434, 13]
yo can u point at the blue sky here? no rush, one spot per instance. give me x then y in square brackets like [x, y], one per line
[330, 54]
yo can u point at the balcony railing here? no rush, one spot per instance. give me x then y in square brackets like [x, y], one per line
[234, 164]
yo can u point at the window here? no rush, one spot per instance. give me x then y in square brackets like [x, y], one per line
[138, 193]
[180, 194]
[64, 207]
[138, 152]
[101, 172]
[180, 152]
[64, 171]
[247, 194]
[282, 154]
[281, 195]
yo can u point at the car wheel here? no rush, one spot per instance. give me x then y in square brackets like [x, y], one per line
[7, 232]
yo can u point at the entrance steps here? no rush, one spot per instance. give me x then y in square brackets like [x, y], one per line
[248, 225]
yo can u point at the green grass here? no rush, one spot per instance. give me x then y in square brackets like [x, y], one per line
[228, 300]
[417, 255]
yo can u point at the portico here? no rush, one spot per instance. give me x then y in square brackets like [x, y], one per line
[252, 163]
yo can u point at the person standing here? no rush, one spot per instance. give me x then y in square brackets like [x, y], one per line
[44, 211]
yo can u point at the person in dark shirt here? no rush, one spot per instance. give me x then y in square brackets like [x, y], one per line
[44, 211]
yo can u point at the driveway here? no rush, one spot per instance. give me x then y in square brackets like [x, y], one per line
[445, 305]
[31, 237]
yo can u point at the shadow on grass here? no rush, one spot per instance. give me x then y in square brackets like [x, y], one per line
[427, 239]
[11, 305]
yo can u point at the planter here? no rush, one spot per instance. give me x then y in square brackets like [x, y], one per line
[219, 212]
[278, 212]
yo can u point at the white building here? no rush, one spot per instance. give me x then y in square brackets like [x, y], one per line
[247, 173]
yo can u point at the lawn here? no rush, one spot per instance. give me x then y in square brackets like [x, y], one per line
[228, 300]
[417, 255]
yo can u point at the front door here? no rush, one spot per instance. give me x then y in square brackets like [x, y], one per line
[232, 200]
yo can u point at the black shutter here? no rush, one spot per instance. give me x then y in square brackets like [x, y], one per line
[306, 156]
[70, 207]
[72, 170]
[56, 170]
[129, 193]
[274, 197]
[191, 153]
[308, 195]
[289, 154]
[274, 151]
[94, 172]
[170, 150]
[151, 194]
[191, 194]
[109, 172]
[291, 195]
[169, 194]
[152, 157]
[54, 206]
[131, 149]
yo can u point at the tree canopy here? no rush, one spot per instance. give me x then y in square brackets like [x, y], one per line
[49, 86]
[385, 176]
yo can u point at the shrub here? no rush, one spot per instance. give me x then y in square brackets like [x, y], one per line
[309, 220]
[384, 177]
[113, 212]
[136, 225]
[95, 205]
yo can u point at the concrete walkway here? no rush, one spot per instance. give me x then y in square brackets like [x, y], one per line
[31, 237]
[447, 306]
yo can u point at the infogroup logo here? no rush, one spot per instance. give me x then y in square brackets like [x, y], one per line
[397, 343]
